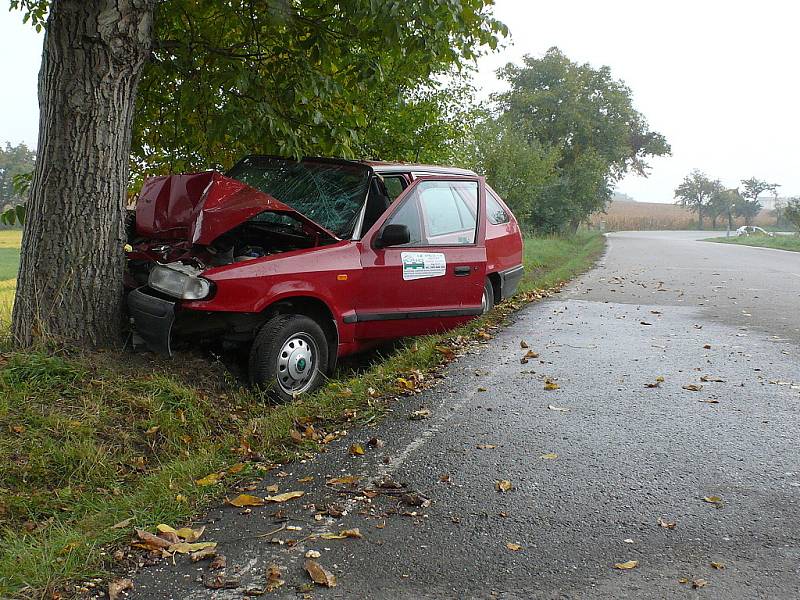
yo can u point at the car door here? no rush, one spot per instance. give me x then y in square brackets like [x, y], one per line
[434, 281]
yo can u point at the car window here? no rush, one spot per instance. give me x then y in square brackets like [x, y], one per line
[394, 186]
[494, 210]
[440, 213]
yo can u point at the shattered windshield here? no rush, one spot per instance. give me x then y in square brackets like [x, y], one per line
[329, 194]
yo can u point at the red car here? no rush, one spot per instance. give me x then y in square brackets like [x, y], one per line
[302, 262]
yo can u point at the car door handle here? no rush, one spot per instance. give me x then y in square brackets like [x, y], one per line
[461, 271]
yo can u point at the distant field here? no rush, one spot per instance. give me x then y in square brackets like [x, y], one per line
[9, 264]
[651, 216]
[779, 242]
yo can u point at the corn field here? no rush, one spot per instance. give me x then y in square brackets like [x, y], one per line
[653, 216]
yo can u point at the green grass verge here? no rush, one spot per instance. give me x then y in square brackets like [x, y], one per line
[88, 442]
[779, 242]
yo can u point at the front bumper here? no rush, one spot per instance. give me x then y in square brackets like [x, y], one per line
[153, 319]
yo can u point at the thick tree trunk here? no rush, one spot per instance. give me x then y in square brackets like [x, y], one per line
[69, 287]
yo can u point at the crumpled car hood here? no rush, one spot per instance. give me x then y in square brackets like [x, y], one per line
[200, 207]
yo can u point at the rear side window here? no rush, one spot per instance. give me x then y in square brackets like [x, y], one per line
[440, 213]
[394, 186]
[495, 212]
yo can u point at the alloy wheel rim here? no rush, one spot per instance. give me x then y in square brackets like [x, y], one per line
[296, 363]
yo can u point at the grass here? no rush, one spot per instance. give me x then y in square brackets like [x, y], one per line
[91, 441]
[779, 242]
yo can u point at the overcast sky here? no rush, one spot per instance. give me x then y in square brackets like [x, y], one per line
[719, 79]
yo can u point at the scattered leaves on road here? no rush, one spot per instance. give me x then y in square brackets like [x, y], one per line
[344, 533]
[209, 479]
[523, 344]
[711, 379]
[716, 565]
[549, 384]
[486, 446]
[513, 547]
[715, 500]
[699, 583]
[503, 485]
[666, 524]
[557, 408]
[243, 500]
[692, 387]
[285, 496]
[274, 578]
[549, 456]
[320, 574]
[344, 480]
[356, 450]
[418, 415]
[624, 566]
[116, 587]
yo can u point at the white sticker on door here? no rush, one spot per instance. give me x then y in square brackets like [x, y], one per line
[419, 265]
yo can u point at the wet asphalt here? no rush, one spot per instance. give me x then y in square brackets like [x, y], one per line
[658, 305]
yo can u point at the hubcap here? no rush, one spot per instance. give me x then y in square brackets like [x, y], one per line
[296, 363]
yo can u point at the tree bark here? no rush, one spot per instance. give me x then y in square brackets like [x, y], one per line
[69, 288]
[699, 218]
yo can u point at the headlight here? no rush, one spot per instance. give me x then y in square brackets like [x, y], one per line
[177, 284]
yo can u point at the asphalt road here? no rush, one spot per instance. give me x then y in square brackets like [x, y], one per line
[657, 305]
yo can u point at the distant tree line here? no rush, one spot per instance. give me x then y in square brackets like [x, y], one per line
[710, 199]
[16, 165]
[555, 143]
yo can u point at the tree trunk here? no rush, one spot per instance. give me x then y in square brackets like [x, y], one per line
[730, 220]
[699, 218]
[69, 287]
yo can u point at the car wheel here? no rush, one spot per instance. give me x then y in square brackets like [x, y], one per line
[487, 301]
[289, 357]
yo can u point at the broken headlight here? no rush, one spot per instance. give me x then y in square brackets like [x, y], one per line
[178, 283]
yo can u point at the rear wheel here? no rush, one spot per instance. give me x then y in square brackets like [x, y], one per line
[289, 356]
[487, 301]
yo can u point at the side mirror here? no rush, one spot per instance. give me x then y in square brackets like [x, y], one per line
[393, 235]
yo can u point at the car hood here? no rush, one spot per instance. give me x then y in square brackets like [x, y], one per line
[200, 207]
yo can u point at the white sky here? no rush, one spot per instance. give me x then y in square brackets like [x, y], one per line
[718, 78]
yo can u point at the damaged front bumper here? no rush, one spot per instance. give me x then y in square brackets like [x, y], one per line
[153, 318]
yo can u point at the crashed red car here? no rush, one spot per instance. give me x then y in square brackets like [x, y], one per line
[302, 262]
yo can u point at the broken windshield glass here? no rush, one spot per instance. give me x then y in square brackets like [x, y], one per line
[331, 194]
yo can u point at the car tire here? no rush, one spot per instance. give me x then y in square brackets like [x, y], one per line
[487, 300]
[289, 357]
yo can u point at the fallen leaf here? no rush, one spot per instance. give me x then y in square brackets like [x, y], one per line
[660, 379]
[486, 446]
[186, 547]
[151, 541]
[416, 499]
[376, 442]
[220, 582]
[531, 354]
[152, 430]
[274, 580]
[503, 485]
[709, 400]
[284, 497]
[549, 456]
[122, 524]
[243, 500]
[666, 524]
[320, 574]
[483, 335]
[219, 563]
[699, 583]
[308, 479]
[631, 564]
[717, 565]
[482, 389]
[712, 499]
[209, 479]
[204, 553]
[550, 385]
[344, 533]
[344, 479]
[236, 468]
[711, 379]
[312, 554]
[707, 346]
[513, 547]
[692, 387]
[272, 489]
[356, 450]
[116, 587]
[418, 415]
[523, 344]
[557, 408]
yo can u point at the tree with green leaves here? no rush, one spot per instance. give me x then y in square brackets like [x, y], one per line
[749, 206]
[587, 116]
[182, 84]
[695, 193]
[15, 162]
[723, 203]
[790, 212]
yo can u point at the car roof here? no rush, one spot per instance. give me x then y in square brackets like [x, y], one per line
[400, 167]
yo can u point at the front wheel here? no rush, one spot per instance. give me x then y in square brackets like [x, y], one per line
[289, 356]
